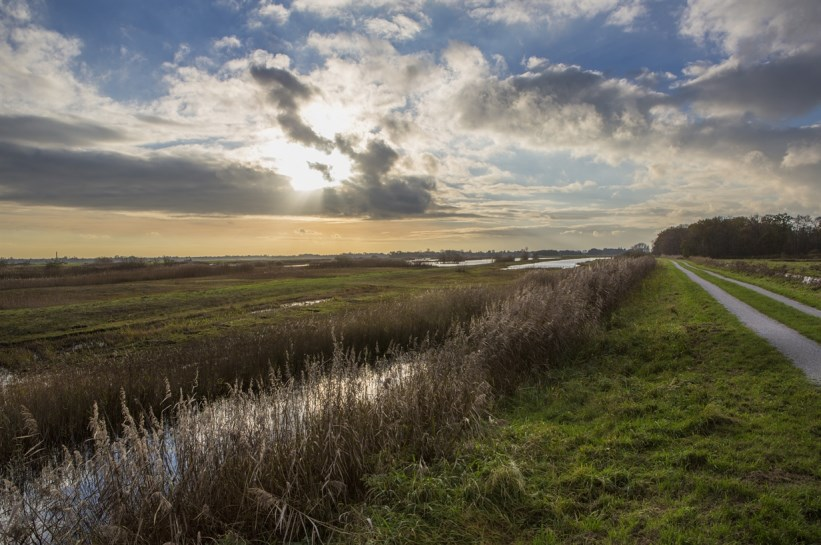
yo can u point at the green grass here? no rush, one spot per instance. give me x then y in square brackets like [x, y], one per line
[793, 289]
[50, 321]
[676, 425]
[795, 266]
[807, 325]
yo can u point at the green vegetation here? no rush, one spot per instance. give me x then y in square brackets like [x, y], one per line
[754, 236]
[807, 325]
[771, 275]
[174, 310]
[676, 425]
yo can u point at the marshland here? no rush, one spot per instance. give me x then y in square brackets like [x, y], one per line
[165, 405]
[375, 401]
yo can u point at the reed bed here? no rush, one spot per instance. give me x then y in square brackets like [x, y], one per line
[61, 402]
[281, 461]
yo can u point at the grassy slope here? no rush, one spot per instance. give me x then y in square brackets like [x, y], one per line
[676, 426]
[807, 325]
[802, 293]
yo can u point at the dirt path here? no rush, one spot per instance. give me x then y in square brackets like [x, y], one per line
[803, 352]
[806, 309]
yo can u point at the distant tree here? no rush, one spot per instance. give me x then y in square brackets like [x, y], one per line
[640, 248]
[754, 236]
[451, 256]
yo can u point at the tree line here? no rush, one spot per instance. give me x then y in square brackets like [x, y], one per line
[754, 236]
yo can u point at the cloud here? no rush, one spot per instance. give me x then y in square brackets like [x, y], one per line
[323, 169]
[18, 10]
[44, 131]
[561, 105]
[399, 27]
[753, 30]
[338, 8]
[782, 87]
[376, 189]
[227, 42]
[112, 181]
[272, 11]
[509, 12]
[286, 92]
[619, 12]
[626, 14]
[802, 155]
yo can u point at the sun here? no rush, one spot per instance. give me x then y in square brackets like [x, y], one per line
[308, 169]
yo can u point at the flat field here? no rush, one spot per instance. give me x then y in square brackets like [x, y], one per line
[43, 326]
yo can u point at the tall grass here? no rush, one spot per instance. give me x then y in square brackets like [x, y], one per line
[280, 461]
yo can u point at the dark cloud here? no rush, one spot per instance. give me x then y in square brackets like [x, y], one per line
[26, 129]
[395, 196]
[781, 87]
[323, 169]
[739, 139]
[286, 92]
[374, 191]
[558, 103]
[120, 182]
[776, 151]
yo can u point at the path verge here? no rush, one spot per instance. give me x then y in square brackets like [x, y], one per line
[803, 352]
[806, 309]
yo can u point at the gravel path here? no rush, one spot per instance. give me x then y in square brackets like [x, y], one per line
[803, 352]
[806, 309]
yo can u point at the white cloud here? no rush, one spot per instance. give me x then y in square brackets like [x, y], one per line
[626, 14]
[337, 8]
[399, 27]
[273, 11]
[754, 29]
[619, 12]
[535, 62]
[802, 155]
[227, 42]
[18, 10]
[182, 53]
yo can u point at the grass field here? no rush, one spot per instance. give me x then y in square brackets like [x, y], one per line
[675, 425]
[807, 325]
[770, 275]
[44, 325]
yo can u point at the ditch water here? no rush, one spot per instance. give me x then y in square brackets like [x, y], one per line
[78, 494]
[466, 263]
[555, 264]
[290, 305]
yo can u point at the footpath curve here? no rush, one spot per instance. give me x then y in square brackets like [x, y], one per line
[806, 309]
[803, 352]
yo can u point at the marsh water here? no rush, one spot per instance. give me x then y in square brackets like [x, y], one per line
[554, 264]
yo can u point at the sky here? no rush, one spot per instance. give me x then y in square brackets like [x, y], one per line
[248, 127]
